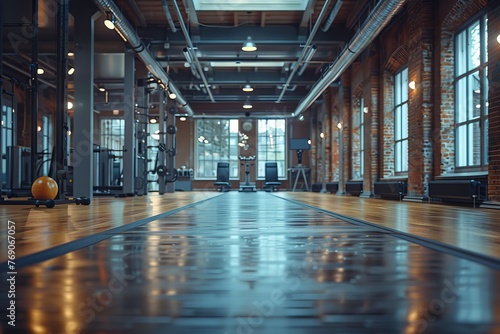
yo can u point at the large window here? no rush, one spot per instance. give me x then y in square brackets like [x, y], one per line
[8, 128]
[216, 141]
[401, 122]
[112, 133]
[471, 95]
[271, 145]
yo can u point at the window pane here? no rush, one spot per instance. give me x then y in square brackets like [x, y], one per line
[485, 38]
[461, 54]
[485, 160]
[404, 85]
[404, 121]
[397, 156]
[461, 146]
[404, 156]
[461, 100]
[474, 46]
[486, 89]
[474, 96]
[397, 89]
[475, 144]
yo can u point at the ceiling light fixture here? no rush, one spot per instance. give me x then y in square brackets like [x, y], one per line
[248, 88]
[249, 45]
[109, 22]
[171, 95]
[247, 104]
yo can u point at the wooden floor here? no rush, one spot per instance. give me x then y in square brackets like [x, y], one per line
[206, 262]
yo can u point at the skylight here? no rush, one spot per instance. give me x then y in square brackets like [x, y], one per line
[247, 5]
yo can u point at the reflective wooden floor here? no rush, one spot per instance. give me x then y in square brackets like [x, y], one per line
[253, 263]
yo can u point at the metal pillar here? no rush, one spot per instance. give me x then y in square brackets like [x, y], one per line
[162, 188]
[171, 145]
[129, 110]
[141, 172]
[61, 129]
[83, 134]
[34, 90]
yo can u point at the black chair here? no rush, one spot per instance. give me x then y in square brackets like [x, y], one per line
[271, 181]
[222, 182]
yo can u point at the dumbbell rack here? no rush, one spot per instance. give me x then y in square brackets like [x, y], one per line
[247, 185]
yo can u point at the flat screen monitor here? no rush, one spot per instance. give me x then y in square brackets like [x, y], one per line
[299, 144]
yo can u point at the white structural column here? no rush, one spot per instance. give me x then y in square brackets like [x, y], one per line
[83, 127]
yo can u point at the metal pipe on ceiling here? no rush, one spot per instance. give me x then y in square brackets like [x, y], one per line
[196, 61]
[124, 27]
[306, 48]
[169, 16]
[137, 12]
[376, 21]
[310, 53]
[331, 17]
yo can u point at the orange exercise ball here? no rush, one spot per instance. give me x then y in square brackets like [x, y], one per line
[44, 188]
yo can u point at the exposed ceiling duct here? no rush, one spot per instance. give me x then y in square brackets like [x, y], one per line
[331, 17]
[124, 27]
[375, 22]
[195, 61]
[306, 48]
[169, 16]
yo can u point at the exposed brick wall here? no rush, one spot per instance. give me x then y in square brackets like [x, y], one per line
[334, 133]
[346, 107]
[387, 169]
[355, 113]
[447, 103]
[420, 103]
[372, 127]
[494, 104]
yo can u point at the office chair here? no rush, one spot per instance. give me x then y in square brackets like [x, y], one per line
[222, 182]
[271, 182]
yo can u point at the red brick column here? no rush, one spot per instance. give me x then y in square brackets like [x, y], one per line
[420, 108]
[494, 104]
[345, 132]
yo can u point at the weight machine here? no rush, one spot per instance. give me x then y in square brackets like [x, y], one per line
[247, 185]
[60, 169]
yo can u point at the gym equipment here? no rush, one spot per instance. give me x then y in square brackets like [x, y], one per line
[18, 171]
[247, 186]
[108, 171]
[170, 175]
[222, 182]
[271, 181]
[184, 181]
[44, 188]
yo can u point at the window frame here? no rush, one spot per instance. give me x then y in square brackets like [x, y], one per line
[232, 153]
[401, 104]
[465, 117]
[280, 140]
